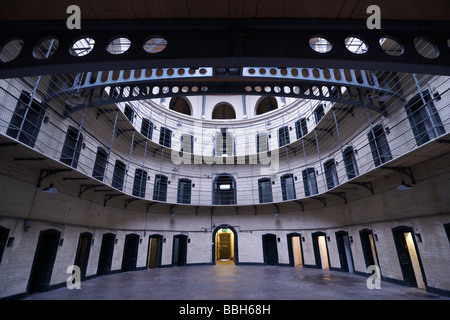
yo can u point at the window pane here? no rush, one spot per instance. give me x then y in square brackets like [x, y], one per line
[100, 164]
[184, 191]
[160, 188]
[288, 187]
[265, 190]
[118, 175]
[283, 136]
[165, 137]
[140, 182]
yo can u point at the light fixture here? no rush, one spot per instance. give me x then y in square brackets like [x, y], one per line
[404, 186]
[50, 189]
[277, 214]
[172, 214]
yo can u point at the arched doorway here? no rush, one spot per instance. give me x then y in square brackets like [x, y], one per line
[270, 249]
[224, 245]
[155, 242]
[409, 257]
[295, 249]
[44, 259]
[321, 250]
[179, 250]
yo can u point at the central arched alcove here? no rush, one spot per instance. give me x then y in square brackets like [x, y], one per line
[266, 104]
[223, 111]
[181, 105]
[227, 251]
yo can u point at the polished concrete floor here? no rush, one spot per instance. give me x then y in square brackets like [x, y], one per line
[226, 281]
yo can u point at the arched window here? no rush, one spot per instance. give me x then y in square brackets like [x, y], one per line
[331, 174]
[223, 111]
[224, 144]
[224, 189]
[310, 182]
[181, 105]
[265, 105]
[72, 147]
[288, 186]
[265, 190]
[379, 145]
[350, 162]
[184, 191]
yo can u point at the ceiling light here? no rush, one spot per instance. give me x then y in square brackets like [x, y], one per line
[50, 189]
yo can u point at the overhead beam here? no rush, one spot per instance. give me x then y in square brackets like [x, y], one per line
[225, 43]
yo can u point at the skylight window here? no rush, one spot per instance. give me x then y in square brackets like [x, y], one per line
[82, 47]
[356, 45]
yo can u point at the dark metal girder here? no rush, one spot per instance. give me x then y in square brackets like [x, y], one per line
[243, 88]
[225, 43]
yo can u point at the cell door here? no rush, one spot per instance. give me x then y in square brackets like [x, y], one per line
[270, 249]
[130, 252]
[345, 254]
[321, 250]
[154, 252]
[82, 255]
[368, 247]
[297, 251]
[179, 251]
[106, 254]
[44, 259]
[224, 246]
[409, 257]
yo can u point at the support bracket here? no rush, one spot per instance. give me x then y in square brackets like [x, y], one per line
[340, 195]
[301, 204]
[111, 196]
[149, 205]
[367, 185]
[405, 170]
[321, 199]
[48, 172]
[128, 201]
[86, 187]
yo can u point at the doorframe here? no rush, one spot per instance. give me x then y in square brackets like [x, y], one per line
[289, 237]
[160, 237]
[126, 247]
[264, 236]
[396, 233]
[341, 251]
[184, 256]
[52, 232]
[213, 246]
[363, 233]
[83, 268]
[316, 249]
[100, 262]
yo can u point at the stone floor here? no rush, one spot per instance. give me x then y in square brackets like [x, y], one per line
[226, 281]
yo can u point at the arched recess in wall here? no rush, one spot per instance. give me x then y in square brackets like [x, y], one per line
[224, 189]
[266, 104]
[235, 252]
[181, 105]
[223, 111]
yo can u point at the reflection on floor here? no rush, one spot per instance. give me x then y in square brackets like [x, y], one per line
[227, 281]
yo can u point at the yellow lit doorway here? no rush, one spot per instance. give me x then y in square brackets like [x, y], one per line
[224, 245]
